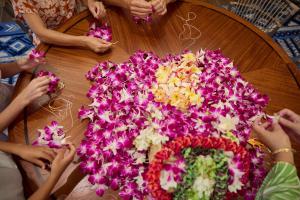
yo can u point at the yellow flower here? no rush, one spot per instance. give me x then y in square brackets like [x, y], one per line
[189, 57]
[195, 70]
[159, 94]
[195, 99]
[174, 81]
[163, 73]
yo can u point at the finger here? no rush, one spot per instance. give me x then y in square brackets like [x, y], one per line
[287, 123]
[93, 11]
[44, 155]
[142, 4]
[40, 163]
[44, 82]
[43, 88]
[97, 9]
[155, 2]
[276, 126]
[139, 14]
[72, 151]
[41, 80]
[141, 10]
[163, 12]
[60, 154]
[290, 114]
[104, 42]
[259, 128]
[50, 152]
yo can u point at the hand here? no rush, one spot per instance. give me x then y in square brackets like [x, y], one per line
[36, 155]
[63, 158]
[96, 44]
[97, 9]
[273, 137]
[26, 64]
[160, 6]
[290, 122]
[140, 8]
[36, 88]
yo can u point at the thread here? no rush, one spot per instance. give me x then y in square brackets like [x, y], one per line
[188, 28]
[61, 112]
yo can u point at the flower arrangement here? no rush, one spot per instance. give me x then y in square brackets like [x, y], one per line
[54, 80]
[146, 104]
[101, 31]
[206, 176]
[52, 136]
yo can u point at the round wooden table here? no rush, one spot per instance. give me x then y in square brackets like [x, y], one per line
[258, 58]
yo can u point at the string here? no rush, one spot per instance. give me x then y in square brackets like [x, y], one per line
[188, 29]
[61, 112]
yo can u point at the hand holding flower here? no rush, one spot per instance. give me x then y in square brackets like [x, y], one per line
[275, 139]
[27, 64]
[290, 121]
[96, 8]
[160, 6]
[96, 44]
[140, 8]
[36, 88]
[35, 155]
[63, 158]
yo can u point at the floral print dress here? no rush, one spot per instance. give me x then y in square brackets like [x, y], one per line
[52, 12]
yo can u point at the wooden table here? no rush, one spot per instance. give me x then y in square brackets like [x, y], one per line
[259, 59]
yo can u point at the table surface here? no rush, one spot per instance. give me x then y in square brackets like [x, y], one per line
[260, 61]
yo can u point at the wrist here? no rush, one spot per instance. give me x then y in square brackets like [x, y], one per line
[20, 101]
[54, 176]
[16, 149]
[284, 157]
[83, 41]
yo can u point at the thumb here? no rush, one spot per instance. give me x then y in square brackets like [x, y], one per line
[286, 123]
[39, 163]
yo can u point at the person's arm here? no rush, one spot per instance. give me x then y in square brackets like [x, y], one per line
[34, 154]
[282, 181]
[35, 89]
[54, 37]
[96, 8]
[59, 164]
[24, 64]
[9, 69]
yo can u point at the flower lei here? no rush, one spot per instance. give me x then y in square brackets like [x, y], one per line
[54, 80]
[181, 143]
[102, 31]
[129, 116]
[52, 136]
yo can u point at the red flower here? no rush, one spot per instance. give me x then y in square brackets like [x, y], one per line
[175, 146]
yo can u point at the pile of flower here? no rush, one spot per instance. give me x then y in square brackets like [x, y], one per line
[54, 80]
[101, 31]
[143, 105]
[52, 136]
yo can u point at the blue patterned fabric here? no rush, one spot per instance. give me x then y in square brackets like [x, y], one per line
[14, 44]
[288, 37]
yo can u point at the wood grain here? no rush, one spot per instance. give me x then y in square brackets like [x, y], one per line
[261, 62]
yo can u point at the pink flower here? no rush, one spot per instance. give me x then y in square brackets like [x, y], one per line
[54, 80]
